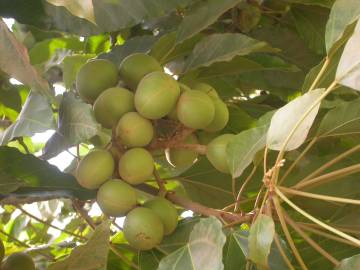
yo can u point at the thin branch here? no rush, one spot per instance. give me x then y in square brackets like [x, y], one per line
[287, 233]
[160, 182]
[318, 196]
[233, 187]
[311, 242]
[319, 75]
[315, 220]
[282, 252]
[242, 188]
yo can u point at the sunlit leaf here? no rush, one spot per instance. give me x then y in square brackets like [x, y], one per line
[352, 263]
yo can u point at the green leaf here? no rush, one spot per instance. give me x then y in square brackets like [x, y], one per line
[116, 15]
[223, 47]
[38, 177]
[282, 125]
[80, 8]
[352, 263]
[261, 236]
[203, 251]
[322, 3]
[36, 116]
[9, 183]
[348, 70]
[14, 60]
[91, 256]
[343, 13]
[71, 66]
[201, 16]
[342, 120]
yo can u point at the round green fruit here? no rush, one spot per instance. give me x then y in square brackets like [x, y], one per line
[112, 104]
[18, 261]
[221, 116]
[143, 228]
[166, 211]
[133, 130]
[95, 168]
[195, 109]
[2, 251]
[94, 77]
[116, 198]
[183, 157]
[136, 166]
[206, 88]
[156, 95]
[172, 114]
[134, 67]
[216, 152]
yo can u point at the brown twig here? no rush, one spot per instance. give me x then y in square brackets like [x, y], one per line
[160, 182]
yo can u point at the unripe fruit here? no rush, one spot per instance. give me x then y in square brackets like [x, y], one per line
[136, 166]
[18, 261]
[183, 157]
[94, 77]
[195, 109]
[133, 130]
[112, 104]
[95, 168]
[116, 198]
[221, 117]
[172, 114]
[135, 66]
[156, 95]
[166, 211]
[205, 137]
[216, 152]
[2, 250]
[143, 228]
[206, 88]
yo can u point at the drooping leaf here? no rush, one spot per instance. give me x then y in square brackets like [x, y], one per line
[342, 120]
[343, 13]
[36, 116]
[282, 125]
[80, 8]
[352, 263]
[224, 47]
[91, 256]
[71, 65]
[14, 60]
[348, 70]
[9, 183]
[261, 236]
[201, 16]
[203, 251]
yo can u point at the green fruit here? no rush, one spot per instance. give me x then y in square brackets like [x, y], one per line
[94, 77]
[136, 166]
[172, 114]
[216, 152]
[2, 250]
[195, 109]
[166, 211]
[156, 95]
[183, 157]
[208, 89]
[143, 228]
[133, 130]
[112, 104]
[95, 168]
[221, 117]
[205, 137]
[18, 261]
[134, 67]
[116, 198]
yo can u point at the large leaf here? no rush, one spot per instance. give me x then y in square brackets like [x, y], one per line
[36, 116]
[201, 16]
[203, 251]
[286, 118]
[322, 3]
[116, 15]
[343, 13]
[352, 263]
[80, 8]
[14, 60]
[224, 47]
[9, 183]
[37, 176]
[348, 70]
[261, 236]
[91, 256]
[342, 120]
[243, 148]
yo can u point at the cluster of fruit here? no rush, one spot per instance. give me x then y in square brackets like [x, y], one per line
[15, 261]
[150, 95]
